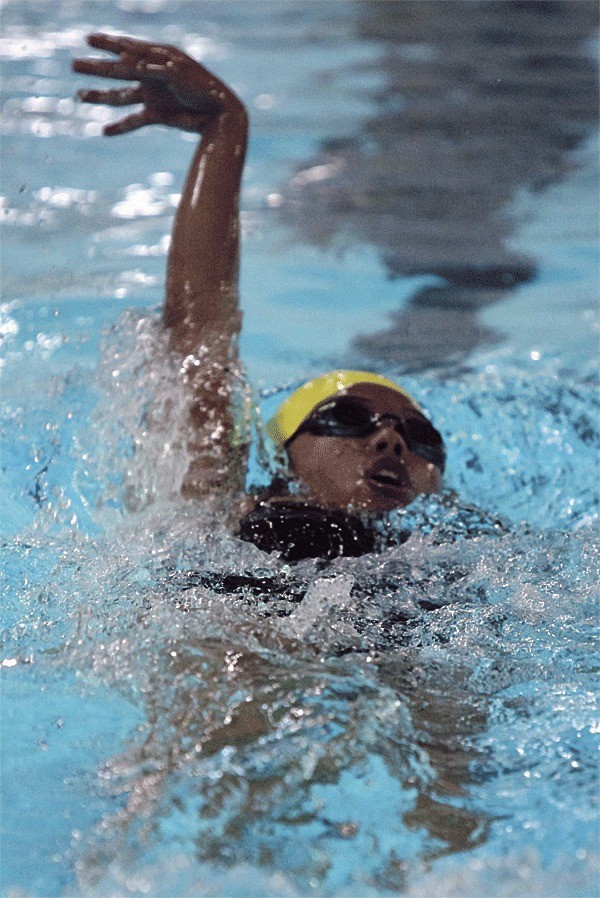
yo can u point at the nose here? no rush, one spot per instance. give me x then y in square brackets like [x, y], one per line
[388, 439]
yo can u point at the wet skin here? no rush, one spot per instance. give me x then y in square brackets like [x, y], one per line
[373, 473]
[201, 304]
[377, 472]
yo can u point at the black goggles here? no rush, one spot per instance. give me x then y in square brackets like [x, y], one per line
[350, 416]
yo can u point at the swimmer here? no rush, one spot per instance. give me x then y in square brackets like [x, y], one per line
[357, 444]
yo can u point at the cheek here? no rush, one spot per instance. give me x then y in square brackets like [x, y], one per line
[329, 462]
[323, 451]
[324, 462]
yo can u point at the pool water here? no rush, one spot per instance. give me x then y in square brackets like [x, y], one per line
[181, 713]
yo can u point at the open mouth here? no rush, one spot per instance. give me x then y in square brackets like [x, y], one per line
[389, 476]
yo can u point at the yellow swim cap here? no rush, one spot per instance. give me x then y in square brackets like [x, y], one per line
[297, 407]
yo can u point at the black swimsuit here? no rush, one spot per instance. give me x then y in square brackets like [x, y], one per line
[298, 530]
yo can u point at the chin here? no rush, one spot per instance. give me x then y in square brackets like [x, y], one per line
[379, 504]
[369, 499]
[371, 502]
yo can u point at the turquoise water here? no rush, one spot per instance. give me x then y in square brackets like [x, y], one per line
[425, 721]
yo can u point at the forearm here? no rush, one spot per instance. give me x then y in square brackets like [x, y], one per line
[201, 308]
[202, 273]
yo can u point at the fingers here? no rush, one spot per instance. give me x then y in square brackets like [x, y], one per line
[125, 96]
[120, 43]
[105, 68]
[174, 88]
[137, 59]
[112, 43]
[129, 123]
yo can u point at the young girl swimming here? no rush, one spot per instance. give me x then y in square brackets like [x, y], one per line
[357, 443]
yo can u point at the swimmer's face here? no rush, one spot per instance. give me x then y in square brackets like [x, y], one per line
[377, 471]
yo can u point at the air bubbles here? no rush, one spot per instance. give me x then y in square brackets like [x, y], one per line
[41, 128]
[264, 101]
[66, 197]
[92, 129]
[38, 104]
[161, 179]
[139, 202]
[9, 327]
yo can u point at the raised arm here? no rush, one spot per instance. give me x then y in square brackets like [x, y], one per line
[201, 308]
[175, 90]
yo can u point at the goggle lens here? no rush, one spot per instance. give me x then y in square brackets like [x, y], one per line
[349, 416]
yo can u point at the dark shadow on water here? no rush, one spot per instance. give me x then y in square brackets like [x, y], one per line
[478, 99]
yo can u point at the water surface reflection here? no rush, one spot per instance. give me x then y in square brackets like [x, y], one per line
[477, 101]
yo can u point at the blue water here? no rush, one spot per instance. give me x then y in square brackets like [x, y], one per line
[425, 721]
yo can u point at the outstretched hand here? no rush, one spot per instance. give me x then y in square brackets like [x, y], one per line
[174, 89]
